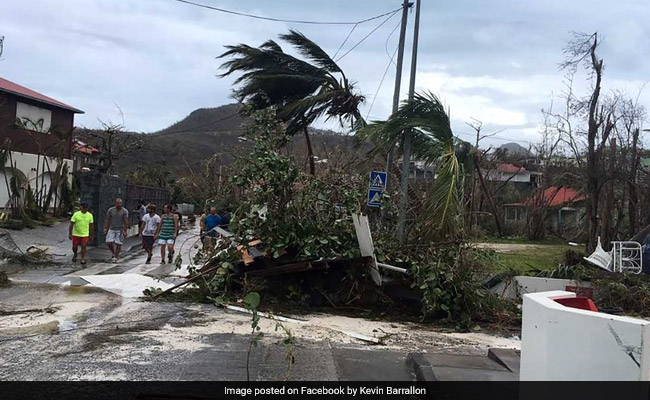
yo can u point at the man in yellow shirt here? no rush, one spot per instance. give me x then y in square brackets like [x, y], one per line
[81, 229]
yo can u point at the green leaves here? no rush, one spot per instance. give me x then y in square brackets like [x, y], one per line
[251, 301]
[301, 91]
[432, 142]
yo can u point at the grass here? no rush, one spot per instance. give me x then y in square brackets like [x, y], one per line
[523, 240]
[542, 257]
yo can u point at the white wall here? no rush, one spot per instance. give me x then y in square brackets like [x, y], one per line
[26, 163]
[518, 286]
[496, 175]
[34, 118]
[563, 343]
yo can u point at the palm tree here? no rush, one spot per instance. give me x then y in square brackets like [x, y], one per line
[301, 91]
[432, 142]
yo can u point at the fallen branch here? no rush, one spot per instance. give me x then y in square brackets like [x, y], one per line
[48, 310]
[192, 279]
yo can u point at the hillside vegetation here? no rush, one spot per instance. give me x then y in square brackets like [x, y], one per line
[181, 147]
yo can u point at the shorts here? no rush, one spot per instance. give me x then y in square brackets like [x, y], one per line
[166, 241]
[115, 236]
[147, 242]
[77, 240]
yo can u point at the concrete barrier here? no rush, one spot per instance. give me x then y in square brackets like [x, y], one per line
[563, 343]
[518, 286]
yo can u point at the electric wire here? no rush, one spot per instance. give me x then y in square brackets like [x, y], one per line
[346, 39]
[293, 21]
[381, 82]
[368, 35]
[386, 44]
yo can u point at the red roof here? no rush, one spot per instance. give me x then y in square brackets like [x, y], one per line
[82, 147]
[14, 88]
[553, 196]
[509, 168]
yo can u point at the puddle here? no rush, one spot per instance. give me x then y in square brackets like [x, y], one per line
[51, 327]
[66, 325]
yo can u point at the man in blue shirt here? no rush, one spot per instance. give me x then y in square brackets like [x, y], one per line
[212, 221]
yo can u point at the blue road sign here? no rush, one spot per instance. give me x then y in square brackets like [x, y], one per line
[377, 180]
[374, 197]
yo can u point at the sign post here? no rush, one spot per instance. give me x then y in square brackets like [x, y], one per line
[376, 188]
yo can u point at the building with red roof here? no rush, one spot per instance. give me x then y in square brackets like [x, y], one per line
[33, 125]
[564, 206]
[510, 173]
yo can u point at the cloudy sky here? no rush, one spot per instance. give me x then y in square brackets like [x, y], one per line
[494, 60]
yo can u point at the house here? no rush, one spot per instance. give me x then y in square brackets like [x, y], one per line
[84, 155]
[565, 206]
[37, 129]
[504, 172]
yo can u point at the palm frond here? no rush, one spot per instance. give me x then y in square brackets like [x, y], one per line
[311, 50]
[432, 141]
[443, 204]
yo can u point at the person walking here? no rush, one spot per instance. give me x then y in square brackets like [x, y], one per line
[212, 221]
[116, 226]
[167, 233]
[149, 228]
[80, 231]
[141, 211]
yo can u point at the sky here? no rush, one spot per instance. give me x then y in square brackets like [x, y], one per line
[154, 61]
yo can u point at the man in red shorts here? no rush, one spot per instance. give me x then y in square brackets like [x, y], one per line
[81, 229]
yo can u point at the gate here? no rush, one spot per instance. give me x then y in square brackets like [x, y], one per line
[148, 194]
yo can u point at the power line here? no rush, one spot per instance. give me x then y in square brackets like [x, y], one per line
[381, 82]
[387, 39]
[293, 21]
[368, 35]
[346, 39]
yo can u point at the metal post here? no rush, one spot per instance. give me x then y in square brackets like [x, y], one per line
[398, 82]
[406, 148]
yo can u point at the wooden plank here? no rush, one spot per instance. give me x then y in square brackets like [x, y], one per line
[290, 268]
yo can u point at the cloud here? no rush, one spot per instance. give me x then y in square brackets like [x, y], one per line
[496, 61]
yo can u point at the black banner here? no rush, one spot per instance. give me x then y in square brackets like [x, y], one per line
[324, 390]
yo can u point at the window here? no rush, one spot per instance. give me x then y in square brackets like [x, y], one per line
[33, 118]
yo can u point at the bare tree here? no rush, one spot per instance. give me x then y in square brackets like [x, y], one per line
[113, 143]
[600, 124]
[478, 179]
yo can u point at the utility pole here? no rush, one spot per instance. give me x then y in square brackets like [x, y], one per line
[398, 81]
[406, 148]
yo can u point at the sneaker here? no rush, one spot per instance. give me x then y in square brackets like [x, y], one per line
[148, 260]
[83, 262]
[170, 258]
[114, 259]
[162, 261]
[74, 257]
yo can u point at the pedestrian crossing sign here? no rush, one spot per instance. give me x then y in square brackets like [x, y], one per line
[374, 197]
[377, 180]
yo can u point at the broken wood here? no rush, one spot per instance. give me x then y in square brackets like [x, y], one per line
[48, 310]
[288, 268]
[192, 279]
[314, 265]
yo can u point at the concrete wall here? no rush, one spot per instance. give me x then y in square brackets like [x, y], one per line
[518, 286]
[26, 163]
[100, 191]
[563, 343]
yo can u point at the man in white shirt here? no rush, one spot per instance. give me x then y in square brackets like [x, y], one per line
[148, 230]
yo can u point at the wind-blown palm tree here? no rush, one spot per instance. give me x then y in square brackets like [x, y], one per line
[301, 91]
[432, 142]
